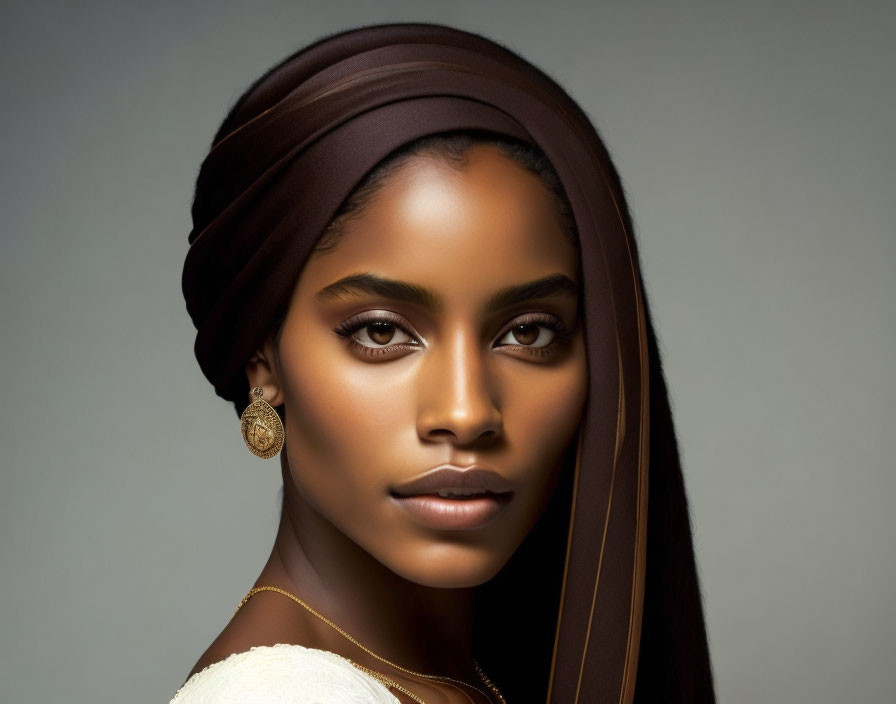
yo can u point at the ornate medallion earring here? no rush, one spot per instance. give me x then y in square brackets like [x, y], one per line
[261, 427]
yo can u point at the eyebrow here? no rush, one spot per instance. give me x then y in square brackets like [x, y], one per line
[360, 284]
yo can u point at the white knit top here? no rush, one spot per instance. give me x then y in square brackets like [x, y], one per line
[283, 674]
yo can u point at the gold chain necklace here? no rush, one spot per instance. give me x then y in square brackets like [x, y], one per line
[378, 675]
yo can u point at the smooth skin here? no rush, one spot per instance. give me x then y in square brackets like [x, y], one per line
[378, 389]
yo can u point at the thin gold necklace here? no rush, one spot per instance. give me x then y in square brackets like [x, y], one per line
[378, 675]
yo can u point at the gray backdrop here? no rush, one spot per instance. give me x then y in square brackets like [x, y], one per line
[756, 144]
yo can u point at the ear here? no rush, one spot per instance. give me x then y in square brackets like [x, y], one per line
[261, 370]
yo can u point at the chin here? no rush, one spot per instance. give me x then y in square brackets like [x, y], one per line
[449, 567]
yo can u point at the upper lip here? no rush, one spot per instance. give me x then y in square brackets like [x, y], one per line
[448, 476]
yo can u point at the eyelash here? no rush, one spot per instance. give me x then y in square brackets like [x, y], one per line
[348, 328]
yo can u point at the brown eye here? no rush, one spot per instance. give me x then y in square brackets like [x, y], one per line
[526, 334]
[381, 332]
[376, 333]
[532, 335]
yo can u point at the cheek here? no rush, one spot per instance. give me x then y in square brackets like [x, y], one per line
[546, 414]
[341, 418]
[547, 410]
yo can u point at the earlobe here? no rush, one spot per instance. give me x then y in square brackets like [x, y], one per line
[261, 371]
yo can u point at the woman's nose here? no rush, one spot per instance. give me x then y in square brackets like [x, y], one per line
[457, 395]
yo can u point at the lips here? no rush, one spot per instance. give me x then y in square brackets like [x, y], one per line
[454, 498]
[450, 478]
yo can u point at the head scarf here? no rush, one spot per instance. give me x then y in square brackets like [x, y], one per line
[568, 618]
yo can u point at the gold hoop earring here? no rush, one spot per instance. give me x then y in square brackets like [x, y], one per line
[261, 427]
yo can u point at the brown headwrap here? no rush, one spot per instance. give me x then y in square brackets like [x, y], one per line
[290, 152]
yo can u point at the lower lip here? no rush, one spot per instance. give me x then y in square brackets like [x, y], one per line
[454, 514]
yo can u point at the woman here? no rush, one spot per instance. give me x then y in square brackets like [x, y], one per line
[412, 244]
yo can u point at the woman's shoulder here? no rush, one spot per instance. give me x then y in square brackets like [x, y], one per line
[282, 674]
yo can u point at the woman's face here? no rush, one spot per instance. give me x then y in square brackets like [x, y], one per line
[442, 330]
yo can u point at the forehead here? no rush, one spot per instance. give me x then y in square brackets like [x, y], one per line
[487, 224]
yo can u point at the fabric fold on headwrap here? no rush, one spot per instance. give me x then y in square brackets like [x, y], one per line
[305, 137]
